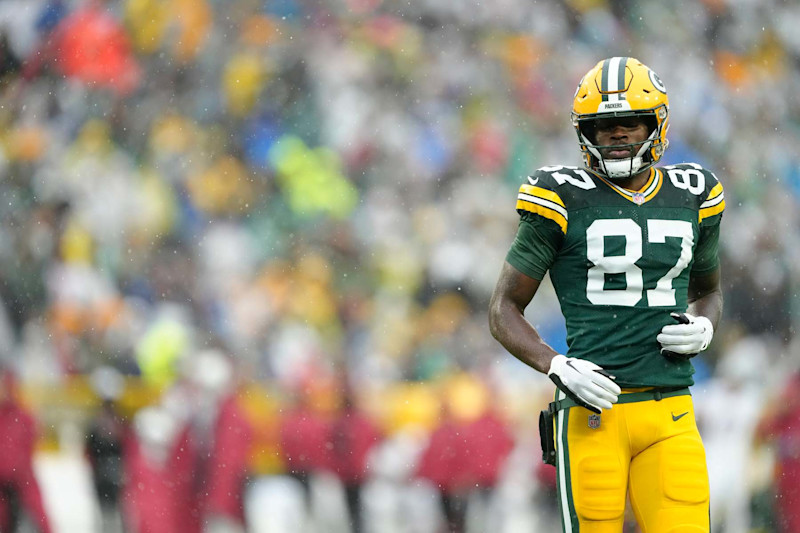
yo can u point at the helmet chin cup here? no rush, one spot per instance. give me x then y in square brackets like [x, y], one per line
[618, 169]
[621, 168]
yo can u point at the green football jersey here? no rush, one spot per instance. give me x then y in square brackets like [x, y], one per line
[620, 261]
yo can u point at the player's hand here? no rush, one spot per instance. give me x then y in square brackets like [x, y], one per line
[688, 338]
[584, 382]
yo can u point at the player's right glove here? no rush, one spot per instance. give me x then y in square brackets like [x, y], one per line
[584, 382]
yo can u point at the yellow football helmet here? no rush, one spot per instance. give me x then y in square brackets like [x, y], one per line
[621, 87]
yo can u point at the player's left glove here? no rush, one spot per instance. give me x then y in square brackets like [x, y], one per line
[688, 338]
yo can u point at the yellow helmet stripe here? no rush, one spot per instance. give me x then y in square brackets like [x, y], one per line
[541, 193]
[546, 212]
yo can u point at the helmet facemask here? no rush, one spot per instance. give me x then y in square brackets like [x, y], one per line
[642, 152]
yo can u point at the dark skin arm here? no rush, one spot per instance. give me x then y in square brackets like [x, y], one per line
[514, 291]
[512, 294]
[705, 297]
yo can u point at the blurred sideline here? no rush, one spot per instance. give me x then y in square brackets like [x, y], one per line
[326, 188]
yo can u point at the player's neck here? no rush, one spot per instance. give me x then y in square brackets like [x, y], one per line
[636, 182]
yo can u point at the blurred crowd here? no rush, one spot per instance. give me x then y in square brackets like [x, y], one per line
[318, 189]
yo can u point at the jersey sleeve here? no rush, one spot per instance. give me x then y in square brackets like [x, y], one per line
[713, 206]
[534, 248]
[706, 255]
[537, 199]
[542, 226]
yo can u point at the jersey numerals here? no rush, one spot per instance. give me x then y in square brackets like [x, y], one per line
[582, 181]
[657, 231]
[690, 179]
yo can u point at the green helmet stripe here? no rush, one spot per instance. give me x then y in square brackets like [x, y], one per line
[604, 80]
[621, 76]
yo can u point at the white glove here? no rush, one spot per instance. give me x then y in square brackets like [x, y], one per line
[687, 339]
[584, 382]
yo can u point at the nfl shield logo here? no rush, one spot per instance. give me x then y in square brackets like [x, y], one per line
[638, 198]
[594, 421]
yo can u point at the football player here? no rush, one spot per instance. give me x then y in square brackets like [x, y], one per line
[631, 250]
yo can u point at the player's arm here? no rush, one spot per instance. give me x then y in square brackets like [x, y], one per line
[507, 322]
[583, 381]
[705, 297]
[694, 329]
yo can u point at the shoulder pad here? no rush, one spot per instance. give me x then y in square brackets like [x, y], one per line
[547, 191]
[700, 182]
[565, 178]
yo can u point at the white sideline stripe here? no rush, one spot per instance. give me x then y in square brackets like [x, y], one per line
[562, 469]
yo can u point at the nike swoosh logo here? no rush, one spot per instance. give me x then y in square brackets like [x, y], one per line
[533, 181]
[676, 418]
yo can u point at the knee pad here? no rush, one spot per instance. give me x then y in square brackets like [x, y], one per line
[685, 478]
[599, 485]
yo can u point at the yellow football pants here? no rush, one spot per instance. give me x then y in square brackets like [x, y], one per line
[650, 451]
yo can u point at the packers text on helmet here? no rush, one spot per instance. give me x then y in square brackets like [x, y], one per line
[621, 87]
